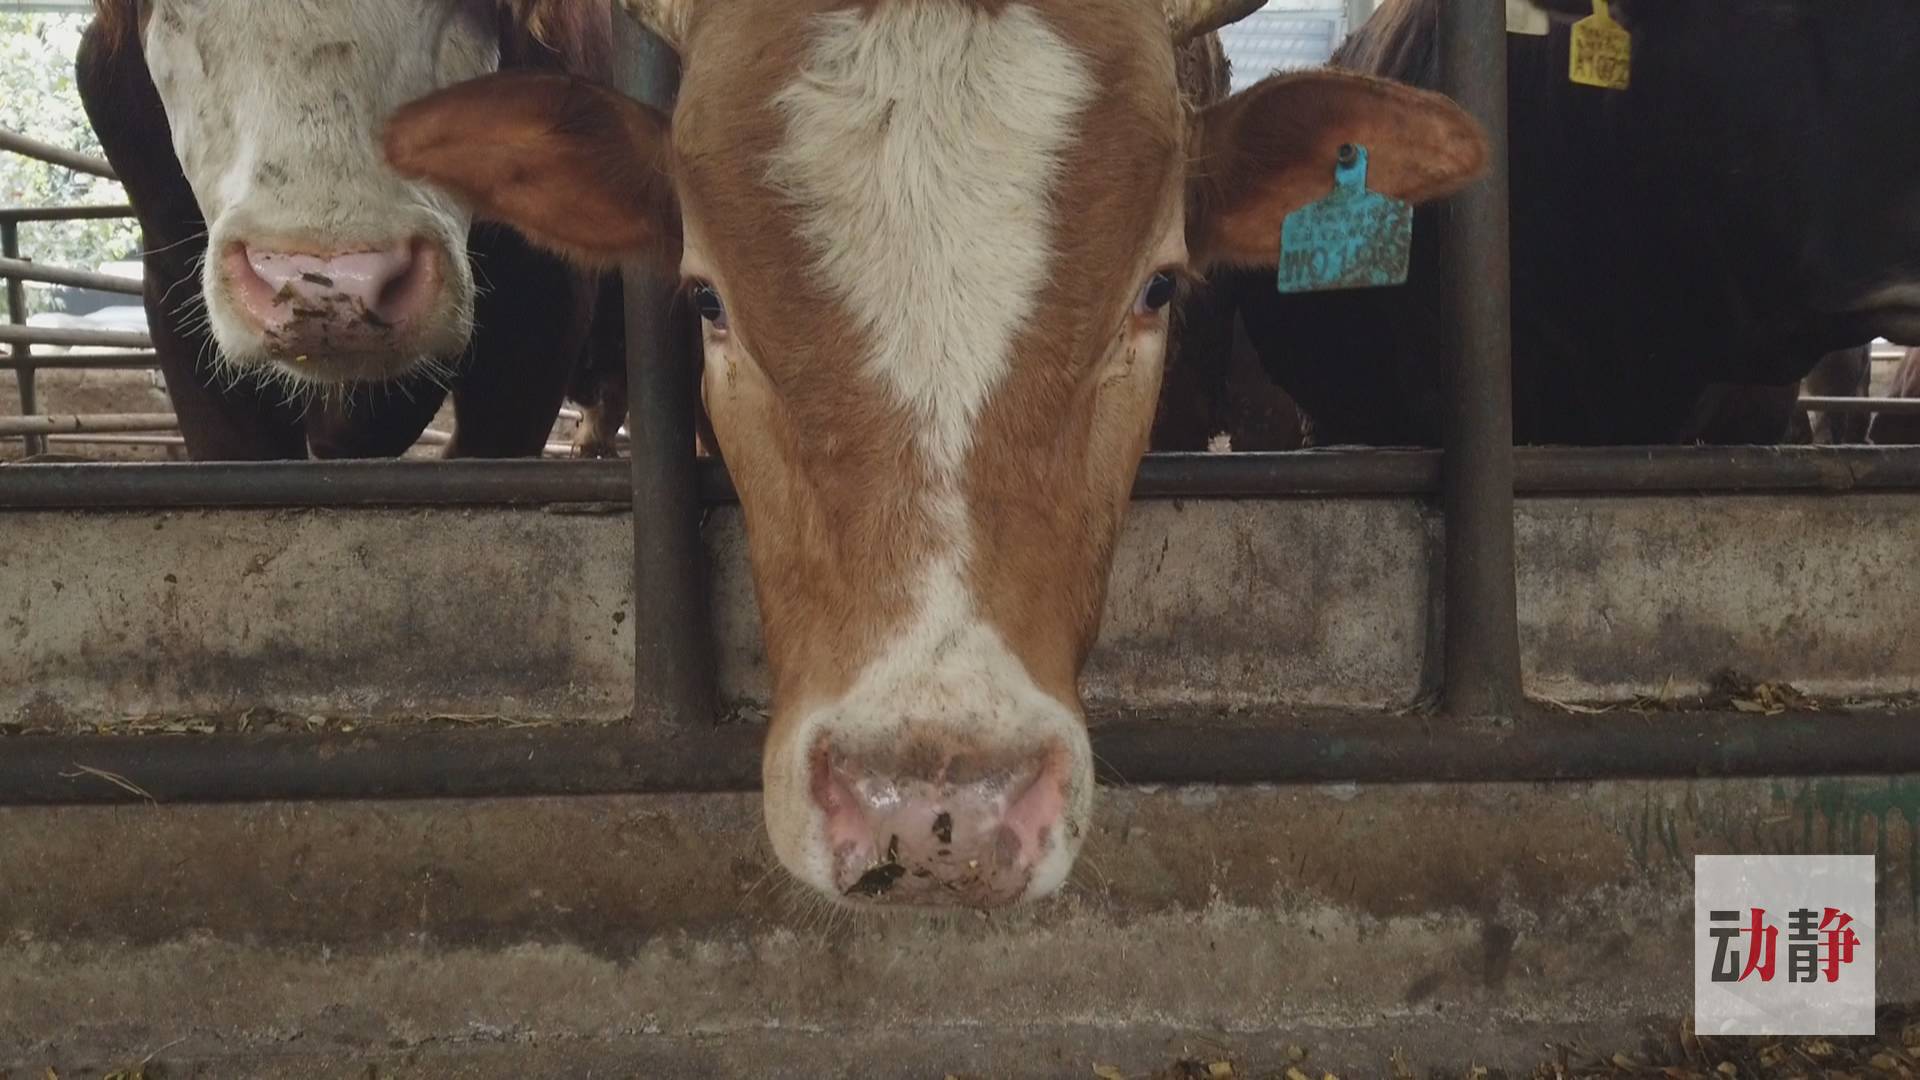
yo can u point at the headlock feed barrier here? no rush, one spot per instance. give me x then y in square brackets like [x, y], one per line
[1485, 730]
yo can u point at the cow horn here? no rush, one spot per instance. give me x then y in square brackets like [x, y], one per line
[1188, 19]
[666, 18]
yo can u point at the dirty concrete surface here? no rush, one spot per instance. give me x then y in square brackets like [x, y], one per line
[1473, 922]
[1232, 604]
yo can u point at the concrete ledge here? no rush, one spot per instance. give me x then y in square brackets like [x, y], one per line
[654, 927]
[1298, 603]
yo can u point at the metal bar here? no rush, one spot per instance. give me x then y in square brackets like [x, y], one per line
[673, 649]
[619, 759]
[1627, 471]
[37, 425]
[20, 353]
[89, 360]
[1888, 405]
[64, 213]
[143, 486]
[55, 155]
[1482, 652]
[27, 270]
[59, 335]
[118, 440]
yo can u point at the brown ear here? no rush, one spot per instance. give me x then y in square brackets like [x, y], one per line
[577, 167]
[1269, 150]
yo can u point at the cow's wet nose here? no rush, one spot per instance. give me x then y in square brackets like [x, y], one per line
[939, 831]
[303, 300]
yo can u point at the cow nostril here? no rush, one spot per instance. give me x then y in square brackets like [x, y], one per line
[932, 828]
[405, 291]
[369, 290]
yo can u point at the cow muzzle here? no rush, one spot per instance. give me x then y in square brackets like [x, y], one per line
[967, 831]
[331, 316]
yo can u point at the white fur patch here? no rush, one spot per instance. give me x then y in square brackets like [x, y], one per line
[936, 247]
[923, 143]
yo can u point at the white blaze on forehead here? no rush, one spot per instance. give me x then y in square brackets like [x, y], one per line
[922, 145]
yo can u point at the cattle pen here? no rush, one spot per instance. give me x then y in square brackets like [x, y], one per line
[1471, 710]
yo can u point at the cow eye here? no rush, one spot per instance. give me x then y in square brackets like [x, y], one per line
[1155, 294]
[706, 300]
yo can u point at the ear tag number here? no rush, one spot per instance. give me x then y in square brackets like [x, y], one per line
[1602, 52]
[1351, 239]
[1524, 18]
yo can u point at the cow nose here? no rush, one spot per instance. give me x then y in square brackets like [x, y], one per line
[296, 295]
[926, 829]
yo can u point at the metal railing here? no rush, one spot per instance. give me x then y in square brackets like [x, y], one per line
[1487, 732]
[19, 338]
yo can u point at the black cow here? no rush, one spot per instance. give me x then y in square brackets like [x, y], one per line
[1747, 205]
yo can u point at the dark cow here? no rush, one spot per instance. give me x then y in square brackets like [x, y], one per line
[1759, 414]
[303, 297]
[1745, 207]
[1214, 394]
[1892, 429]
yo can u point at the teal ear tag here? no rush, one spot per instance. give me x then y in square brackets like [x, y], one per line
[1352, 239]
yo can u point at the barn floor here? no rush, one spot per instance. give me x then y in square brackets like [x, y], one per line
[650, 936]
[1660, 1057]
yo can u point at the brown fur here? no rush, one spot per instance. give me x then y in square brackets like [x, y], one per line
[504, 160]
[1264, 153]
[827, 463]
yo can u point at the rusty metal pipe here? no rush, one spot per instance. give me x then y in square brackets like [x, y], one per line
[54, 335]
[15, 142]
[673, 652]
[1280, 749]
[1482, 651]
[37, 425]
[63, 213]
[87, 360]
[1539, 472]
[28, 270]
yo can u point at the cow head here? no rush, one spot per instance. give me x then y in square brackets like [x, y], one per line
[323, 265]
[933, 243]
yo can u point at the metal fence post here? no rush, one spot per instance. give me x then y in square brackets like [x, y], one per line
[673, 631]
[1482, 667]
[20, 352]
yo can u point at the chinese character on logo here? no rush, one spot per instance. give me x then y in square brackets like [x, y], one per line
[1820, 949]
[1759, 950]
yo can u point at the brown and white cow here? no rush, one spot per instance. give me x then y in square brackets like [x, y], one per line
[933, 243]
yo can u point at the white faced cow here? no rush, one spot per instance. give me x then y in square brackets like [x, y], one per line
[288, 265]
[933, 243]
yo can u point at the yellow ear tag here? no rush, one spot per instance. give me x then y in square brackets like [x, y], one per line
[1524, 18]
[1602, 53]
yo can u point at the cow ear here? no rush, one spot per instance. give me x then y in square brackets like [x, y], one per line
[1269, 150]
[578, 168]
